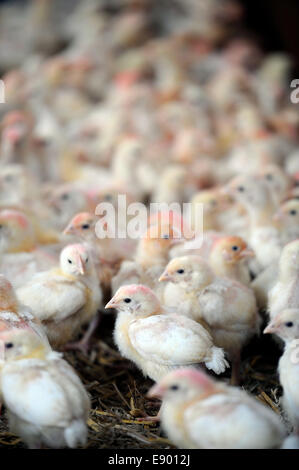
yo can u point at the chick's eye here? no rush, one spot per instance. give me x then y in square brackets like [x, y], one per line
[241, 189]
[127, 300]
[174, 387]
[86, 261]
[235, 248]
[289, 324]
[269, 177]
[64, 197]
[85, 226]
[70, 261]
[180, 271]
[108, 197]
[8, 345]
[293, 212]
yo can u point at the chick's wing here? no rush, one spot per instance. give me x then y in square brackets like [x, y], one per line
[170, 339]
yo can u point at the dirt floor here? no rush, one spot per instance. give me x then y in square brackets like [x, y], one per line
[118, 390]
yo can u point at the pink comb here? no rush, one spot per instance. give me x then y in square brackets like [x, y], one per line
[133, 288]
[79, 247]
[82, 216]
[197, 377]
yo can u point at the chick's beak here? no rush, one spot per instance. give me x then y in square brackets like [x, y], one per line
[157, 391]
[165, 277]
[80, 265]
[271, 328]
[69, 229]
[112, 303]
[247, 253]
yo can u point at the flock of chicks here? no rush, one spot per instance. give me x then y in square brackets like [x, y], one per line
[181, 116]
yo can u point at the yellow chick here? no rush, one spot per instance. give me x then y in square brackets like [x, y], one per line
[15, 315]
[228, 259]
[158, 341]
[151, 255]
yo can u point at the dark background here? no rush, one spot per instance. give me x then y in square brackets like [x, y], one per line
[273, 23]
[276, 24]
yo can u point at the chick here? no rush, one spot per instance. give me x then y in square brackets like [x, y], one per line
[16, 232]
[111, 249]
[285, 293]
[158, 341]
[152, 253]
[107, 252]
[278, 182]
[65, 201]
[287, 219]
[45, 399]
[199, 413]
[212, 203]
[226, 306]
[286, 326]
[262, 235]
[228, 259]
[66, 298]
[15, 315]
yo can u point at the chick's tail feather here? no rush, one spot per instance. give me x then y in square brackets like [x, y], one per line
[217, 362]
[291, 442]
[76, 434]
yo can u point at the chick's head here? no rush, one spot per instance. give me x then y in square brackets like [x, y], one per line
[183, 385]
[136, 299]
[75, 260]
[22, 343]
[285, 324]
[231, 250]
[252, 192]
[16, 232]
[191, 271]
[82, 225]
[288, 214]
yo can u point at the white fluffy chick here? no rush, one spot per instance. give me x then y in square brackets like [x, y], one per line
[278, 182]
[286, 326]
[256, 197]
[158, 341]
[199, 413]
[285, 292]
[225, 305]
[46, 401]
[287, 219]
[66, 298]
